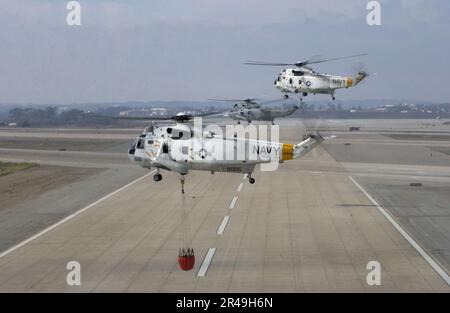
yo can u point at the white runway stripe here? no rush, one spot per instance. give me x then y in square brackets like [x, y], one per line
[240, 187]
[413, 243]
[206, 262]
[233, 203]
[46, 230]
[223, 225]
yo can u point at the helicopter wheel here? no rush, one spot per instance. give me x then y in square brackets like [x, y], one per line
[251, 180]
[305, 94]
[334, 98]
[157, 177]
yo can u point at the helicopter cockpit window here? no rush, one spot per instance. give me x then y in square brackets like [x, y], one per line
[150, 142]
[132, 147]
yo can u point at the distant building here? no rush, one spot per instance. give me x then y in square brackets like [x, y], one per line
[145, 112]
[158, 111]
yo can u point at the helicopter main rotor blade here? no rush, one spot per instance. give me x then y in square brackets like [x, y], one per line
[313, 60]
[273, 101]
[317, 61]
[235, 100]
[182, 117]
[210, 113]
[268, 63]
[136, 118]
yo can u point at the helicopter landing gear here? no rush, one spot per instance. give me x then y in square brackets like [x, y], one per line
[286, 96]
[157, 177]
[251, 180]
[305, 94]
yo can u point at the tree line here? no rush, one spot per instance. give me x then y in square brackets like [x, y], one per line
[50, 116]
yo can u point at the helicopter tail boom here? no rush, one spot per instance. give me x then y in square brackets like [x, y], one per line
[290, 151]
[311, 142]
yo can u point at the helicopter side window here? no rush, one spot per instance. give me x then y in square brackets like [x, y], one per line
[140, 144]
[165, 148]
[298, 73]
[150, 142]
[177, 135]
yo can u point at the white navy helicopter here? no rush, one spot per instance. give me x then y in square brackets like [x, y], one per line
[249, 110]
[304, 80]
[181, 148]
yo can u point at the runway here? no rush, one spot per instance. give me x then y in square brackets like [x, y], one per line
[304, 228]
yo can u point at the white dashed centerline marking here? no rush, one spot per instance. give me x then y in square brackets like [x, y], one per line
[240, 187]
[233, 202]
[206, 262]
[412, 242]
[223, 225]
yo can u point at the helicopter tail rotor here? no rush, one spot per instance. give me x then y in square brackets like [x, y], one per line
[360, 73]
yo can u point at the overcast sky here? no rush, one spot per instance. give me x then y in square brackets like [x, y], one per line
[194, 49]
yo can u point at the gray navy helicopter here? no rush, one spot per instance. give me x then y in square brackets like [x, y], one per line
[249, 110]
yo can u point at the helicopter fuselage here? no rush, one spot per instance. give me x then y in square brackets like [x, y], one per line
[306, 81]
[175, 148]
[255, 112]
